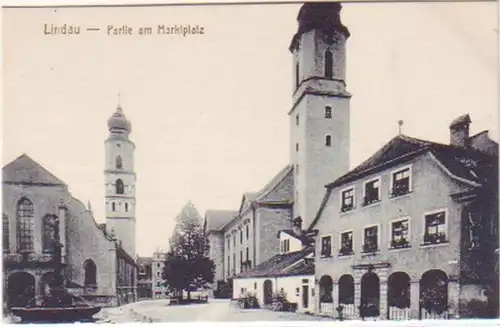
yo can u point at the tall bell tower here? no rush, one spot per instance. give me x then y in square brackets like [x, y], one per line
[319, 117]
[119, 179]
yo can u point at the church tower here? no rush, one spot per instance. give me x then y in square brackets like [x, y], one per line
[319, 118]
[119, 179]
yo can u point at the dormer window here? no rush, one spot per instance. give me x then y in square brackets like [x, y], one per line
[347, 199]
[285, 246]
[371, 192]
[328, 64]
[401, 182]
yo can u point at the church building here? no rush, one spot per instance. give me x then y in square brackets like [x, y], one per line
[99, 259]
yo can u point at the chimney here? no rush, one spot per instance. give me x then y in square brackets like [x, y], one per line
[459, 131]
[297, 226]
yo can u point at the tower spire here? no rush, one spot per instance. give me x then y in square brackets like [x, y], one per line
[119, 100]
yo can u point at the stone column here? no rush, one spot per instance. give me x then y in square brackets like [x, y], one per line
[453, 297]
[383, 299]
[415, 298]
[357, 296]
[335, 296]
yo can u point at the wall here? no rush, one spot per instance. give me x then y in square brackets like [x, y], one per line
[234, 250]
[269, 222]
[216, 253]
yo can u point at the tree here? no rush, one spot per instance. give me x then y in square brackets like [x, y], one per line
[187, 263]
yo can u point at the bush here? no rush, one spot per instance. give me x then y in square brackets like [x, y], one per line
[476, 309]
[248, 300]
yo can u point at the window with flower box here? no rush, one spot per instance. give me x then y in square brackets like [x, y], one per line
[401, 182]
[435, 228]
[370, 241]
[400, 234]
[346, 246]
[347, 200]
[326, 246]
[371, 192]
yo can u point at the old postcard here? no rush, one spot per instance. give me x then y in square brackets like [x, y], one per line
[317, 161]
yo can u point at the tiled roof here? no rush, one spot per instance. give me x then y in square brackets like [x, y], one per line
[24, 170]
[303, 238]
[465, 163]
[216, 219]
[277, 265]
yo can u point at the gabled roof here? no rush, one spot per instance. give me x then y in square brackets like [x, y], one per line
[465, 164]
[216, 219]
[24, 170]
[286, 264]
[302, 238]
[278, 191]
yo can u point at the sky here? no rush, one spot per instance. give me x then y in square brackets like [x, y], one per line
[209, 112]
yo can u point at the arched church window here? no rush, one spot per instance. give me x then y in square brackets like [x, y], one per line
[113, 206]
[119, 162]
[48, 233]
[25, 225]
[90, 273]
[328, 64]
[119, 186]
[328, 140]
[5, 235]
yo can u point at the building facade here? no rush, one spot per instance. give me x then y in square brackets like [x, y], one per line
[411, 232]
[160, 290]
[145, 278]
[33, 199]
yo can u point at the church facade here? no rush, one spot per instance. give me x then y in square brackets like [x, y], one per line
[99, 259]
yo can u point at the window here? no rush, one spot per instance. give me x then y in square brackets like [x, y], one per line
[346, 246]
[158, 274]
[48, 233]
[119, 162]
[241, 236]
[6, 233]
[228, 244]
[297, 146]
[234, 262]
[328, 140]
[25, 225]
[158, 265]
[158, 284]
[241, 256]
[90, 273]
[228, 265]
[119, 186]
[370, 239]
[126, 206]
[328, 112]
[435, 228]
[328, 64]
[142, 270]
[254, 286]
[400, 237]
[247, 256]
[347, 200]
[285, 246]
[234, 240]
[297, 291]
[297, 120]
[297, 75]
[401, 182]
[326, 246]
[371, 192]
[247, 231]
[113, 206]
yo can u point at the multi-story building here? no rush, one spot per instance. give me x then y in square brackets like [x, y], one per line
[160, 290]
[145, 278]
[412, 231]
